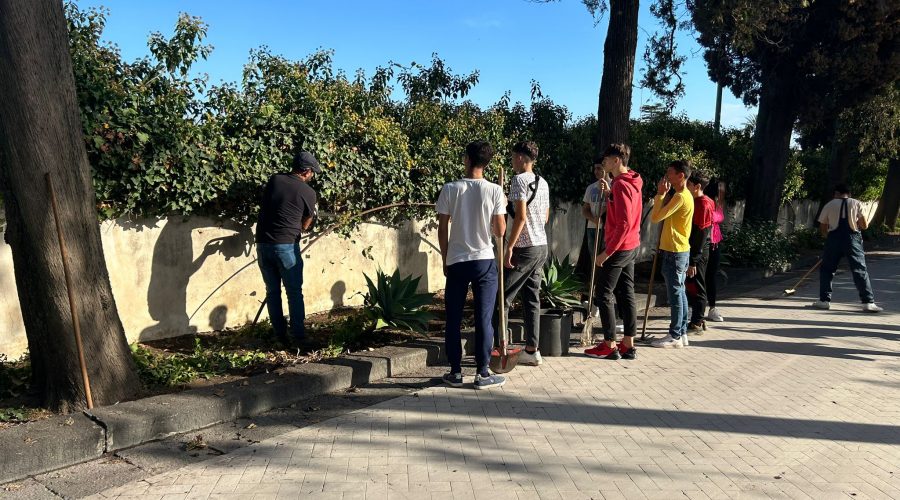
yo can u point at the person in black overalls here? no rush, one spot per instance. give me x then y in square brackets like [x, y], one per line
[840, 222]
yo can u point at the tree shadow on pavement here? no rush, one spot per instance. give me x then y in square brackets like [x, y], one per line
[828, 329]
[810, 348]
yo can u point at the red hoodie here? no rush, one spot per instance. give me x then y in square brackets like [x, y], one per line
[623, 213]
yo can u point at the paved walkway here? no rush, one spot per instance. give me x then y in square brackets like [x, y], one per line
[781, 401]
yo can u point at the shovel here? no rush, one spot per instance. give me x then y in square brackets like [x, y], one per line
[503, 359]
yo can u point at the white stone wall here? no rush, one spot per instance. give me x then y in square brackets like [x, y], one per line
[174, 276]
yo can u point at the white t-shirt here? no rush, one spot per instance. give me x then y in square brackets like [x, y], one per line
[533, 233]
[470, 203]
[592, 196]
[831, 213]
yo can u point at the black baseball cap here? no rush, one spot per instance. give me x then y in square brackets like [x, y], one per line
[305, 160]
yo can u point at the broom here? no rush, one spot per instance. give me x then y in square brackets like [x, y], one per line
[587, 330]
[503, 359]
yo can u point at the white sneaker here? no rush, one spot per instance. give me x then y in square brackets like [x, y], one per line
[528, 359]
[714, 315]
[667, 342]
[684, 340]
[871, 308]
[821, 304]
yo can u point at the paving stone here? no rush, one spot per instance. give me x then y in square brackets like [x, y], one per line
[781, 401]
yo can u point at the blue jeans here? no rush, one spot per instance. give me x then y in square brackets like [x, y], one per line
[838, 246]
[282, 263]
[674, 270]
[482, 275]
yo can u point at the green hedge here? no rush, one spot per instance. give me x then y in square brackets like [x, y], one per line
[164, 142]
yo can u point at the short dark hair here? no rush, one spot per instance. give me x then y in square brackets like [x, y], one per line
[699, 178]
[712, 188]
[479, 153]
[683, 166]
[623, 151]
[842, 188]
[527, 148]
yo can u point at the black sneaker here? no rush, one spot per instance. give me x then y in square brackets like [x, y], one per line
[453, 379]
[627, 353]
[697, 328]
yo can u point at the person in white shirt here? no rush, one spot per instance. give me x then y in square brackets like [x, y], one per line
[840, 223]
[593, 207]
[526, 250]
[470, 211]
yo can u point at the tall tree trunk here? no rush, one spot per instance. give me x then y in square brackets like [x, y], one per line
[844, 152]
[40, 132]
[771, 149]
[889, 204]
[717, 123]
[614, 108]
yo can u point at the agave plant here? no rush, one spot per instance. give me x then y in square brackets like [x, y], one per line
[392, 301]
[560, 287]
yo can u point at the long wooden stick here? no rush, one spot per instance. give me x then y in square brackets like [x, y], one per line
[70, 291]
[587, 329]
[649, 294]
[501, 290]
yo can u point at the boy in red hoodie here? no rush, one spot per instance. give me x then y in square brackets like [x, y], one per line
[616, 262]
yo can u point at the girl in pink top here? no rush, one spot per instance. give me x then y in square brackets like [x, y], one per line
[716, 191]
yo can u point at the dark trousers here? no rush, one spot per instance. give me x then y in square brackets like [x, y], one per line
[712, 269]
[525, 277]
[283, 263]
[697, 301]
[616, 281]
[482, 275]
[848, 245]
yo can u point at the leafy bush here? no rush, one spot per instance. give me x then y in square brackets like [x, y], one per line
[14, 376]
[177, 369]
[808, 238]
[392, 301]
[347, 333]
[758, 244]
[163, 142]
[560, 286]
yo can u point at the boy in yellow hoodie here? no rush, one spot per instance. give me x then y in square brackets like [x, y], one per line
[676, 211]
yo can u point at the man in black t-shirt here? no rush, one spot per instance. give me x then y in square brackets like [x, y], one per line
[288, 207]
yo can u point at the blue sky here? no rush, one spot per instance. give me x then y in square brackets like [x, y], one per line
[510, 42]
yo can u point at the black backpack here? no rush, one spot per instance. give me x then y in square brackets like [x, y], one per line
[533, 186]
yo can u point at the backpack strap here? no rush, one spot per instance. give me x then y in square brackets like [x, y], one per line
[534, 185]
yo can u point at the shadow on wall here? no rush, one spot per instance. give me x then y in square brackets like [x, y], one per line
[412, 258]
[218, 318]
[338, 291]
[173, 266]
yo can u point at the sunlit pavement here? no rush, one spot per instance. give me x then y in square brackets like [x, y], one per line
[780, 401]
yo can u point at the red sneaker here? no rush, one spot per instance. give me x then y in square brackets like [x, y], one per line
[602, 351]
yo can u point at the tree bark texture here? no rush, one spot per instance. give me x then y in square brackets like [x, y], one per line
[771, 149]
[614, 108]
[889, 204]
[41, 132]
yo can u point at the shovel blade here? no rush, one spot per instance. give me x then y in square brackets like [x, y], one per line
[501, 363]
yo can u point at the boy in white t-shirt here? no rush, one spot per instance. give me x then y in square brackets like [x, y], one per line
[471, 211]
[840, 222]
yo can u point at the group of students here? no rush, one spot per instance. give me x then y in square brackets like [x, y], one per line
[688, 206]
[472, 211]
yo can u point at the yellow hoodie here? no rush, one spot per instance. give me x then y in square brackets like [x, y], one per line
[677, 214]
